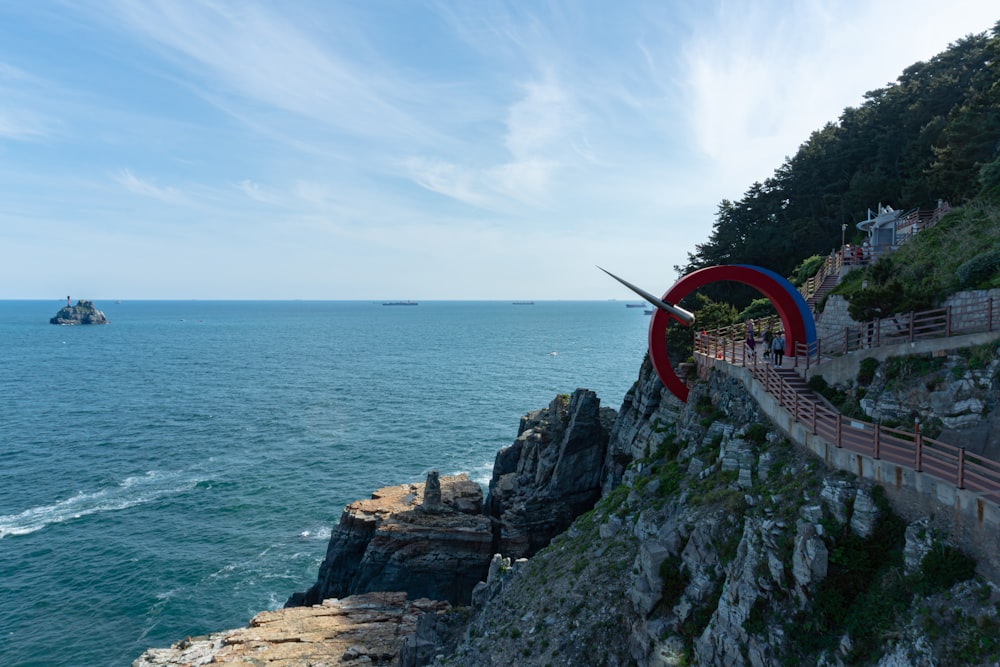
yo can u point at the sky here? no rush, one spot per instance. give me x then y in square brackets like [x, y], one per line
[411, 149]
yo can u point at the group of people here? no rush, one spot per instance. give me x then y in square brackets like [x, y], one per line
[859, 254]
[774, 344]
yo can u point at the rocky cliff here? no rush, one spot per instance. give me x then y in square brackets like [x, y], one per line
[406, 539]
[722, 544]
[715, 542]
[551, 474]
[84, 312]
[435, 540]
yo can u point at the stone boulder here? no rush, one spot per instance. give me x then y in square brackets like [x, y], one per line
[83, 312]
[393, 542]
[551, 474]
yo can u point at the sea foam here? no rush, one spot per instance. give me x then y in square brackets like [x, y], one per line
[129, 492]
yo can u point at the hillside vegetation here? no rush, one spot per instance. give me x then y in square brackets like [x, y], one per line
[933, 134]
[959, 253]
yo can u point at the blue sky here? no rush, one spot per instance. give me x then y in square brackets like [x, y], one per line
[406, 149]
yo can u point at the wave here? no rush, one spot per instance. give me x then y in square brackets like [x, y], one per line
[129, 492]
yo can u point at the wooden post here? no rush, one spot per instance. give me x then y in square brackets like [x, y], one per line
[911, 326]
[961, 468]
[875, 445]
[989, 314]
[947, 321]
[920, 444]
[840, 421]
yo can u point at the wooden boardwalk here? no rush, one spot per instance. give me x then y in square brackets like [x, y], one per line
[909, 449]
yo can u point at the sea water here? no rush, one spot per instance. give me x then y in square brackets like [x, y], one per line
[178, 470]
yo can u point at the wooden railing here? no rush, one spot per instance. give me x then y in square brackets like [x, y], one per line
[983, 316]
[907, 225]
[730, 342]
[910, 449]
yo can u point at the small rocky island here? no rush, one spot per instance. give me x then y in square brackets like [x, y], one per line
[83, 312]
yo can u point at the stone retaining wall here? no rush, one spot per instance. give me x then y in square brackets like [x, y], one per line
[834, 318]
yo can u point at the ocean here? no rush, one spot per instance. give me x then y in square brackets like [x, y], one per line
[179, 470]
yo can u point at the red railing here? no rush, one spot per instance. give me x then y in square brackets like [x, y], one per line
[910, 449]
[982, 316]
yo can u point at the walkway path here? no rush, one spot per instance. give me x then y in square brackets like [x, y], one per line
[908, 448]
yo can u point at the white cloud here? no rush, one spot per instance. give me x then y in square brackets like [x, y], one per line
[759, 81]
[21, 124]
[257, 193]
[144, 188]
[18, 119]
[471, 137]
[243, 49]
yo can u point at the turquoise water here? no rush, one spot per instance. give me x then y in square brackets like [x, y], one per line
[177, 471]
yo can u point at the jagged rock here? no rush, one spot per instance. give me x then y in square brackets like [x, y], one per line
[432, 540]
[647, 589]
[432, 493]
[919, 541]
[83, 312]
[865, 514]
[810, 557]
[838, 494]
[358, 630]
[645, 407]
[551, 474]
[390, 543]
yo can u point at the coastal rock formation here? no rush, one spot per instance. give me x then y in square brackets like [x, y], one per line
[83, 312]
[722, 545]
[430, 540]
[358, 630]
[398, 541]
[434, 540]
[645, 411]
[551, 474]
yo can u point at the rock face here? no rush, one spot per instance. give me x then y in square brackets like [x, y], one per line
[714, 545]
[551, 474]
[430, 540]
[359, 630]
[434, 539]
[83, 312]
[396, 541]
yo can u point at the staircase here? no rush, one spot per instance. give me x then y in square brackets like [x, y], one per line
[829, 282]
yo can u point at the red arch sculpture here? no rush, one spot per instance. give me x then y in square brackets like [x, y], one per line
[787, 306]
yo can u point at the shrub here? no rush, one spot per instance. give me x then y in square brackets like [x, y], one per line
[979, 269]
[759, 309]
[944, 566]
[756, 433]
[808, 268]
[675, 580]
[866, 371]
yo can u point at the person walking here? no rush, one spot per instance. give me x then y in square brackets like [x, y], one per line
[768, 339]
[778, 348]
